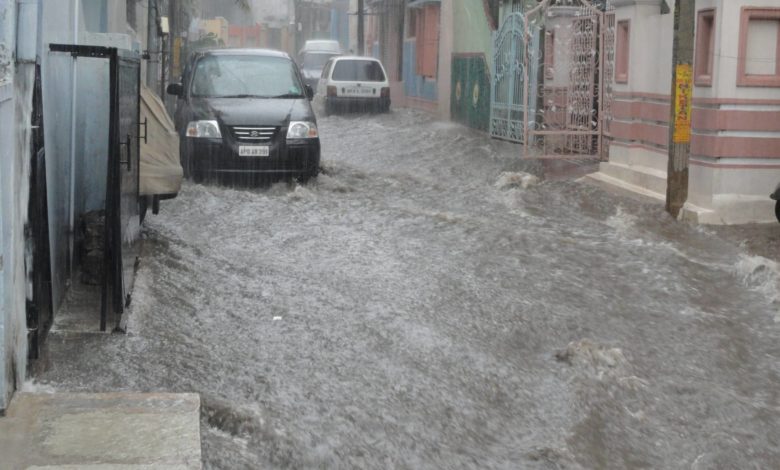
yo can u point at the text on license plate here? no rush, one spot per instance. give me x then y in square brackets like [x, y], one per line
[359, 91]
[254, 151]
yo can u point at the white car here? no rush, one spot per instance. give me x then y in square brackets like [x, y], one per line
[321, 45]
[354, 83]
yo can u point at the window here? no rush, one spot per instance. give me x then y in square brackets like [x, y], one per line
[427, 40]
[326, 70]
[549, 55]
[622, 51]
[358, 71]
[315, 61]
[759, 48]
[705, 47]
[245, 76]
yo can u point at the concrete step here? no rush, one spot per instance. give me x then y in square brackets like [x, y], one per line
[629, 182]
[101, 431]
[646, 178]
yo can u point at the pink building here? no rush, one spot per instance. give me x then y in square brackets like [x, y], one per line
[246, 36]
[735, 137]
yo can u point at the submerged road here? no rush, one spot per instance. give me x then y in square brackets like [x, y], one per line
[414, 309]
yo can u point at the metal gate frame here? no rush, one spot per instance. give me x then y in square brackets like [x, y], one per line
[122, 219]
[524, 121]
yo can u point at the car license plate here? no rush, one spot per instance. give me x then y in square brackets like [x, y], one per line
[360, 91]
[254, 151]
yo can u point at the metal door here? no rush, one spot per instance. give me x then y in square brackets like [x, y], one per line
[129, 90]
[122, 219]
[123, 225]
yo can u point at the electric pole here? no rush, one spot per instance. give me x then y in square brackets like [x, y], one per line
[360, 27]
[682, 95]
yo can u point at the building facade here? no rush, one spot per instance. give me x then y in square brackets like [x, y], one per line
[73, 100]
[735, 119]
[13, 193]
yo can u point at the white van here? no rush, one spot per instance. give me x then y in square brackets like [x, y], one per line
[321, 45]
[354, 83]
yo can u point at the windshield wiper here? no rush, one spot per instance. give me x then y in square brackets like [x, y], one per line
[241, 96]
[288, 95]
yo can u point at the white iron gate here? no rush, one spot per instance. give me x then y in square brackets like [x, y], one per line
[552, 76]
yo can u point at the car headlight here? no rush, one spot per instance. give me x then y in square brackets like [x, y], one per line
[302, 130]
[204, 130]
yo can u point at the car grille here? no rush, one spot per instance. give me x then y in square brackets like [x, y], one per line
[254, 134]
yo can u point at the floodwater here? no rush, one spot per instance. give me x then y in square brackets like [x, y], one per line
[417, 307]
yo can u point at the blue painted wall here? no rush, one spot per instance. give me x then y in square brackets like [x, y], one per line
[16, 82]
[57, 72]
[6, 199]
[95, 15]
[416, 85]
[6, 135]
[339, 27]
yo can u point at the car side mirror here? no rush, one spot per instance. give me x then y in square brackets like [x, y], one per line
[309, 92]
[175, 89]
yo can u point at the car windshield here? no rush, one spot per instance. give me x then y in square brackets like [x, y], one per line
[236, 76]
[312, 61]
[358, 71]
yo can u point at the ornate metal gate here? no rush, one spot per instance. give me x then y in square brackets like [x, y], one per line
[508, 106]
[552, 76]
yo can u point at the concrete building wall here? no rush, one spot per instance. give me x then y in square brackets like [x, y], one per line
[639, 126]
[735, 144]
[7, 12]
[735, 141]
[16, 80]
[60, 80]
[472, 54]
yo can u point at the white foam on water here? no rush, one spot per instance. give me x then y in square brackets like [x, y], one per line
[31, 386]
[622, 221]
[760, 275]
[513, 180]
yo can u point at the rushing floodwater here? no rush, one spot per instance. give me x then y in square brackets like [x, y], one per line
[412, 310]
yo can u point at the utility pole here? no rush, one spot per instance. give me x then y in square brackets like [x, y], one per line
[360, 27]
[152, 46]
[682, 95]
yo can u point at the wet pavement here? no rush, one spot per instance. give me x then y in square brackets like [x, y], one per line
[417, 307]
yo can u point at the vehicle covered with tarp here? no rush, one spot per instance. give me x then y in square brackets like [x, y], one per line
[161, 172]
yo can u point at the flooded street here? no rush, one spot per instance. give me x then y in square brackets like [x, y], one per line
[416, 307]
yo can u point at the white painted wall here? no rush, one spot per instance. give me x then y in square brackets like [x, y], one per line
[638, 168]
[16, 83]
[727, 24]
[561, 25]
[7, 12]
[652, 38]
[732, 196]
[446, 40]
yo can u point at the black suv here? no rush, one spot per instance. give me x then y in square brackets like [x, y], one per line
[244, 114]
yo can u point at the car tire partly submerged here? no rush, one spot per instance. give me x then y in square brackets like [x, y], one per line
[777, 210]
[305, 178]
